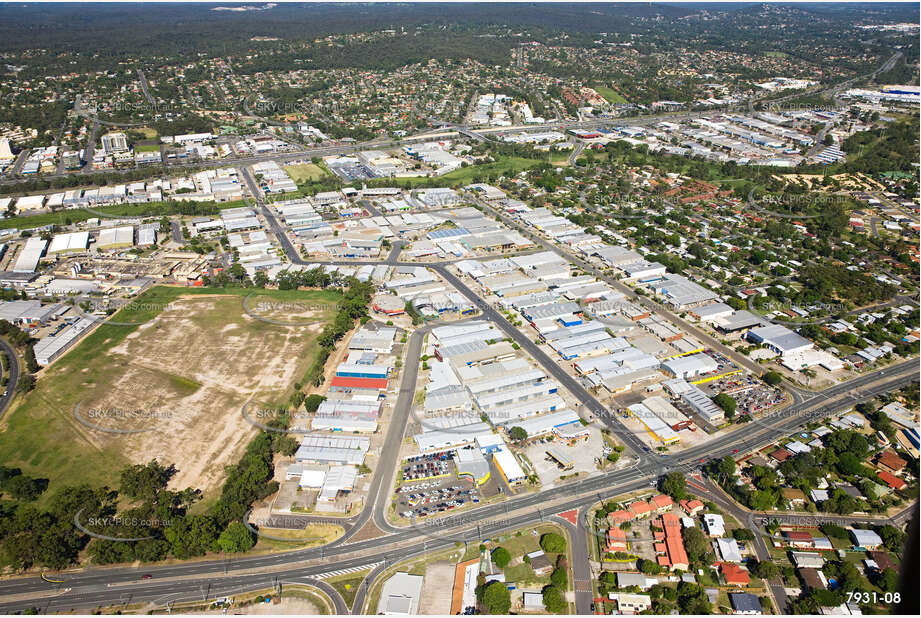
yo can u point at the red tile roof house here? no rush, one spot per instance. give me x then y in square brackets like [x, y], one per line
[640, 509]
[619, 517]
[734, 574]
[661, 503]
[890, 462]
[781, 454]
[616, 540]
[892, 480]
[796, 538]
[675, 558]
[692, 507]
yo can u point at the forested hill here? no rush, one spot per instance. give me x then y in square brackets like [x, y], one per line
[165, 28]
[96, 36]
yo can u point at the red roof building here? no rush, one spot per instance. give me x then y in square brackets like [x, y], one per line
[676, 557]
[892, 480]
[616, 540]
[619, 517]
[340, 382]
[890, 462]
[640, 509]
[661, 503]
[692, 507]
[798, 538]
[734, 574]
[781, 454]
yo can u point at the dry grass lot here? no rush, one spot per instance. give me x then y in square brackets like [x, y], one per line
[303, 172]
[178, 381]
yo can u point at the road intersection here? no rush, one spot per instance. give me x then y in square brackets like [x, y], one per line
[92, 587]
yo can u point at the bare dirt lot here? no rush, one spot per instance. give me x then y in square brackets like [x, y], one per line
[172, 388]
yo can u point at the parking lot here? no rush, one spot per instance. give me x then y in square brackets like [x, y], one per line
[751, 395]
[349, 173]
[423, 467]
[419, 500]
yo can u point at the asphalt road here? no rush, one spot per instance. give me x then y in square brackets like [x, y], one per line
[93, 587]
[581, 567]
[144, 86]
[653, 306]
[103, 586]
[12, 361]
[775, 585]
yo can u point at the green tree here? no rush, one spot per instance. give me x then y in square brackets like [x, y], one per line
[518, 433]
[743, 534]
[696, 544]
[496, 598]
[764, 569]
[888, 580]
[553, 543]
[674, 485]
[773, 378]
[727, 403]
[559, 578]
[501, 557]
[649, 567]
[146, 481]
[312, 402]
[553, 600]
[692, 599]
[236, 538]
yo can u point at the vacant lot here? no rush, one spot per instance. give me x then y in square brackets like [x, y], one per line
[169, 381]
[504, 166]
[610, 94]
[306, 171]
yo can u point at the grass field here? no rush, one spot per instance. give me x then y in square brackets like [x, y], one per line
[347, 585]
[306, 171]
[149, 132]
[180, 368]
[147, 148]
[507, 166]
[66, 217]
[611, 95]
[313, 534]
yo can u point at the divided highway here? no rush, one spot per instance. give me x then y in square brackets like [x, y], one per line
[92, 587]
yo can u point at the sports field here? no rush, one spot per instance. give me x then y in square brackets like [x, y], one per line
[611, 95]
[169, 381]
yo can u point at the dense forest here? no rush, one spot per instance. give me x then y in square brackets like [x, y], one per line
[89, 36]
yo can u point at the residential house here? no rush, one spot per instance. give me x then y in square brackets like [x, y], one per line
[734, 575]
[745, 604]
